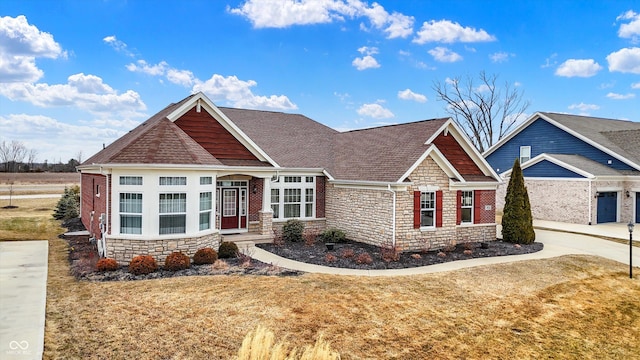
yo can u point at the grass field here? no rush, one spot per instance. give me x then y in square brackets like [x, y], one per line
[39, 178]
[31, 220]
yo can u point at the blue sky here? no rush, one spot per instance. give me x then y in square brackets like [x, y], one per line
[77, 74]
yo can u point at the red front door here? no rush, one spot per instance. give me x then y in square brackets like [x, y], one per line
[233, 208]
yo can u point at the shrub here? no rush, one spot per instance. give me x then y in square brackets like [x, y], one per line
[389, 254]
[364, 258]
[347, 253]
[292, 230]
[330, 258]
[68, 207]
[143, 264]
[333, 235]
[177, 261]
[227, 250]
[205, 256]
[107, 265]
[220, 265]
[310, 238]
[517, 221]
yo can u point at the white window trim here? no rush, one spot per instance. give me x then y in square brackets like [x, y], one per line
[462, 206]
[435, 205]
[281, 185]
[523, 151]
[160, 214]
[209, 210]
[120, 213]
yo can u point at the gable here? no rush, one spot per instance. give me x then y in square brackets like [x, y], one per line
[456, 155]
[548, 169]
[212, 136]
[544, 137]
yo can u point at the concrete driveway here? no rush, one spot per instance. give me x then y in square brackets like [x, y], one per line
[23, 297]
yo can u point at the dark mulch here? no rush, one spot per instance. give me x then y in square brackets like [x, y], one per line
[339, 256]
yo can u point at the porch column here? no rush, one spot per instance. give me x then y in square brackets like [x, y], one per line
[265, 216]
[266, 194]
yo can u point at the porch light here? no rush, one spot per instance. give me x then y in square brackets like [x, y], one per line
[628, 194]
[630, 227]
[255, 189]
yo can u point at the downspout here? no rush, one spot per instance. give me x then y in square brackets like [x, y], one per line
[393, 221]
[589, 202]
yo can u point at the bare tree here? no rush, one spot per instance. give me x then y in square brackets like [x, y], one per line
[79, 157]
[484, 111]
[31, 157]
[12, 154]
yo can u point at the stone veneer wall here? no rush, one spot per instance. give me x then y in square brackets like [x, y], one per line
[123, 250]
[317, 226]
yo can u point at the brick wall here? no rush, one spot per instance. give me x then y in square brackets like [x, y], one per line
[123, 250]
[320, 196]
[92, 202]
[255, 200]
[486, 200]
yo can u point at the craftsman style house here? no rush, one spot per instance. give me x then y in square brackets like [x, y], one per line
[194, 174]
[577, 169]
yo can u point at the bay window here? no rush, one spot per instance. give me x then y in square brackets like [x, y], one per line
[173, 213]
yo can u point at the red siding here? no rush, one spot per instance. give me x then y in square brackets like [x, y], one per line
[89, 183]
[255, 200]
[439, 208]
[416, 209]
[208, 132]
[458, 207]
[456, 155]
[482, 199]
[320, 196]
[477, 206]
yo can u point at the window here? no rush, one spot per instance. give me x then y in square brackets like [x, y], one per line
[173, 180]
[130, 180]
[206, 180]
[205, 210]
[292, 203]
[293, 197]
[173, 213]
[467, 207]
[525, 153]
[275, 202]
[130, 213]
[427, 209]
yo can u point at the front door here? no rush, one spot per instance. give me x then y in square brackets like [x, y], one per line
[607, 207]
[233, 207]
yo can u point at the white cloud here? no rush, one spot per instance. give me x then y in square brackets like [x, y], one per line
[142, 66]
[375, 111]
[550, 61]
[626, 60]
[635, 85]
[181, 77]
[579, 68]
[43, 134]
[616, 96]
[446, 31]
[630, 30]
[365, 50]
[365, 62]
[117, 45]
[86, 92]
[410, 95]
[584, 108]
[238, 92]
[443, 54]
[285, 13]
[500, 57]
[20, 44]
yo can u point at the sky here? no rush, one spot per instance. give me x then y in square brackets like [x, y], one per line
[77, 74]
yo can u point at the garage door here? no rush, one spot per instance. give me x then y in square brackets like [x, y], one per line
[607, 207]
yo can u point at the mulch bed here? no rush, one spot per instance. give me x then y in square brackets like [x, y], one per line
[346, 255]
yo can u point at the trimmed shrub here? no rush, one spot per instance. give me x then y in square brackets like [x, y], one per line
[292, 230]
[177, 261]
[333, 235]
[205, 256]
[143, 264]
[227, 250]
[330, 258]
[347, 253]
[517, 221]
[364, 258]
[107, 265]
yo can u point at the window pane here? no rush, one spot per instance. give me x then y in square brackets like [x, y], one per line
[130, 224]
[130, 180]
[205, 180]
[205, 220]
[292, 195]
[130, 203]
[466, 214]
[291, 210]
[308, 210]
[205, 201]
[427, 200]
[172, 224]
[276, 210]
[229, 202]
[173, 203]
[293, 179]
[426, 218]
[173, 180]
[467, 198]
[309, 179]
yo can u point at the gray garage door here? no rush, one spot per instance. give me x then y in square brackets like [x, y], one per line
[607, 207]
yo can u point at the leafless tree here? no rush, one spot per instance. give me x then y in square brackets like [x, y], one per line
[12, 153]
[485, 111]
[31, 157]
[79, 157]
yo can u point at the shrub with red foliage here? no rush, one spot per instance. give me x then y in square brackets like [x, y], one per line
[330, 258]
[348, 253]
[390, 254]
[107, 265]
[177, 261]
[143, 264]
[364, 258]
[205, 256]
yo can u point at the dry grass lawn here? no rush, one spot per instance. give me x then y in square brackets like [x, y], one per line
[31, 220]
[579, 307]
[39, 178]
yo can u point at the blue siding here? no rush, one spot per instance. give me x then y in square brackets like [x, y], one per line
[548, 169]
[546, 138]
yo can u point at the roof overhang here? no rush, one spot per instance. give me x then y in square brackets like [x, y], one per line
[546, 157]
[371, 185]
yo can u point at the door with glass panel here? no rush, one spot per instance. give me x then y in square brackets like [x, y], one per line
[233, 207]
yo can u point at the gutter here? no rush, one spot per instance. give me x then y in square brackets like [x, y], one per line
[393, 220]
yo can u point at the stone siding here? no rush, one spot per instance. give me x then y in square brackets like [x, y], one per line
[315, 226]
[123, 250]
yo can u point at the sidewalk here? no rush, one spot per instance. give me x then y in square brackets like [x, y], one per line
[606, 230]
[23, 296]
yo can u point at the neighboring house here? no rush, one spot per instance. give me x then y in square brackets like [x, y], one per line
[194, 173]
[577, 169]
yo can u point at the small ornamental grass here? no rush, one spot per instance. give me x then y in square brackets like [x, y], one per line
[107, 264]
[142, 265]
[177, 261]
[205, 256]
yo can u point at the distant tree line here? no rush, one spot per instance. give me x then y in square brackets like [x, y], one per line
[16, 157]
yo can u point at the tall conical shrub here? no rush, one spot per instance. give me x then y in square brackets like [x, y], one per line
[517, 222]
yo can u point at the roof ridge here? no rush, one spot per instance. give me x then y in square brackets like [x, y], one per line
[394, 125]
[585, 116]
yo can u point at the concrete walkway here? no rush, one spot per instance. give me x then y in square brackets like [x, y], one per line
[23, 297]
[555, 244]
